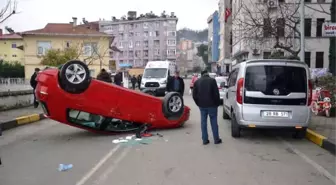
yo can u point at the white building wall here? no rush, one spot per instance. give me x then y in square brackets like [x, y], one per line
[313, 44]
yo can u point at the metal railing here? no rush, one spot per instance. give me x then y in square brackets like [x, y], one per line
[14, 84]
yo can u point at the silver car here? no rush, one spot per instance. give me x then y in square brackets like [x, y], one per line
[269, 93]
[221, 83]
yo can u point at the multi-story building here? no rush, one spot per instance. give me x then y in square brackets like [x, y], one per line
[142, 38]
[225, 41]
[11, 47]
[278, 24]
[213, 40]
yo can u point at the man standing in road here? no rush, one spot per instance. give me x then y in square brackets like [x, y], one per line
[176, 84]
[104, 76]
[33, 84]
[133, 81]
[118, 78]
[139, 81]
[206, 96]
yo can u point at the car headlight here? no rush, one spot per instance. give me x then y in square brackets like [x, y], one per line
[164, 82]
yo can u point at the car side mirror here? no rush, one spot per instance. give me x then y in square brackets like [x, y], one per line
[223, 85]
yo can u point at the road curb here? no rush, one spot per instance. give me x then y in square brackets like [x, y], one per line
[23, 120]
[321, 141]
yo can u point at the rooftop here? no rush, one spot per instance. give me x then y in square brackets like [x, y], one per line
[132, 17]
[12, 36]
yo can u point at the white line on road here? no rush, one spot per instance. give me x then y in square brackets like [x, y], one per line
[87, 176]
[112, 167]
[318, 167]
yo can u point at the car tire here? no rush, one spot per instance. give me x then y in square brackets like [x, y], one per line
[300, 134]
[74, 77]
[235, 129]
[149, 92]
[173, 105]
[225, 115]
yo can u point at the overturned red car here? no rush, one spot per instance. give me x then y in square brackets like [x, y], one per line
[71, 96]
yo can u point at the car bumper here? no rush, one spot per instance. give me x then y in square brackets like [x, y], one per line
[158, 90]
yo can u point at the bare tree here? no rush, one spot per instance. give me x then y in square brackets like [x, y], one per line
[8, 10]
[258, 24]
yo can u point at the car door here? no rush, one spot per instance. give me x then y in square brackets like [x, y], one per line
[226, 94]
[231, 94]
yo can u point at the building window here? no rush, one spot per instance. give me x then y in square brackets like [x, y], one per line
[137, 34]
[130, 34]
[14, 56]
[121, 35]
[137, 43]
[157, 24]
[145, 25]
[43, 47]
[130, 44]
[267, 55]
[308, 27]
[171, 42]
[146, 33]
[307, 58]
[171, 52]
[13, 45]
[319, 23]
[145, 53]
[67, 44]
[171, 33]
[157, 43]
[157, 52]
[120, 45]
[138, 53]
[320, 1]
[319, 59]
[121, 27]
[146, 43]
[281, 27]
[307, 1]
[131, 54]
[267, 28]
[121, 61]
[157, 33]
[90, 48]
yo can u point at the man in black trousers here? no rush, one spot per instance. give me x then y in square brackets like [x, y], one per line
[33, 84]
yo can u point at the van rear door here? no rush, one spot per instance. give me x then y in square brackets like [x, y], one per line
[276, 91]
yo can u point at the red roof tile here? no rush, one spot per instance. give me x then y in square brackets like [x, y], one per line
[13, 36]
[66, 29]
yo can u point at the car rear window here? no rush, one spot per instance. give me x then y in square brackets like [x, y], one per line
[287, 79]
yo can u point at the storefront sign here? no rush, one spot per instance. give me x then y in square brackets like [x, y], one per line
[329, 30]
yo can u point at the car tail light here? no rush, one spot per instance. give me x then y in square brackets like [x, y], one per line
[310, 92]
[239, 93]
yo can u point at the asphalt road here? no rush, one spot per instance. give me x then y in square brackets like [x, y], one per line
[31, 155]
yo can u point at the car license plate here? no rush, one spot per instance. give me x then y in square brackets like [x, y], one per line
[279, 114]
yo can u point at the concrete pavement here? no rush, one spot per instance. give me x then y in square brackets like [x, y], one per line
[31, 156]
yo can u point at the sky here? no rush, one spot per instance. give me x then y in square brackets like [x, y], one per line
[35, 14]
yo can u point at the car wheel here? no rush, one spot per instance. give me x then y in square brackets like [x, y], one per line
[173, 105]
[300, 134]
[74, 77]
[225, 115]
[149, 92]
[235, 130]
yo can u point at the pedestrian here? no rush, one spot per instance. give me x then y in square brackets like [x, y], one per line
[139, 81]
[206, 96]
[33, 84]
[104, 76]
[176, 84]
[193, 80]
[118, 78]
[133, 81]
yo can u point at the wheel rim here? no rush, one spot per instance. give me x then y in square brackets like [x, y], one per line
[75, 73]
[175, 104]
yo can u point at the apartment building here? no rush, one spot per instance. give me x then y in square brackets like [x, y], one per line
[11, 47]
[142, 38]
[248, 46]
[225, 41]
[213, 40]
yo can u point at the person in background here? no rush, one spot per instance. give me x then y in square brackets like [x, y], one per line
[193, 80]
[176, 84]
[33, 84]
[206, 96]
[104, 76]
[118, 78]
[133, 81]
[139, 81]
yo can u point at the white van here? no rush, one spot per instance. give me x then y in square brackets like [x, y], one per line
[156, 75]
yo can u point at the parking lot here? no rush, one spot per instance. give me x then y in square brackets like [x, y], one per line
[31, 155]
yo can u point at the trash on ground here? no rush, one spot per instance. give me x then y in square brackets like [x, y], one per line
[146, 135]
[132, 140]
[158, 134]
[138, 139]
[64, 167]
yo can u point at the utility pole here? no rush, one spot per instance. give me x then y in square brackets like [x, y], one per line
[302, 30]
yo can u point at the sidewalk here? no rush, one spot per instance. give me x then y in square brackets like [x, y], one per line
[16, 117]
[326, 128]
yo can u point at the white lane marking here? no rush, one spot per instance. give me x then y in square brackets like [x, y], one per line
[318, 167]
[112, 167]
[87, 176]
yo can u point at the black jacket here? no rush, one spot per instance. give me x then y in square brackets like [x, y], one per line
[118, 78]
[170, 85]
[134, 80]
[33, 81]
[104, 76]
[206, 93]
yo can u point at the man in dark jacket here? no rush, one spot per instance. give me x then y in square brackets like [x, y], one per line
[118, 78]
[133, 81]
[206, 97]
[104, 76]
[176, 84]
[139, 81]
[33, 84]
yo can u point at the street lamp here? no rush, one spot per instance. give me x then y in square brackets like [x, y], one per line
[302, 30]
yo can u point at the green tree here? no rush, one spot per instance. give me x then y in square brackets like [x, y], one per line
[8, 10]
[332, 45]
[56, 57]
[11, 69]
[202, 51]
